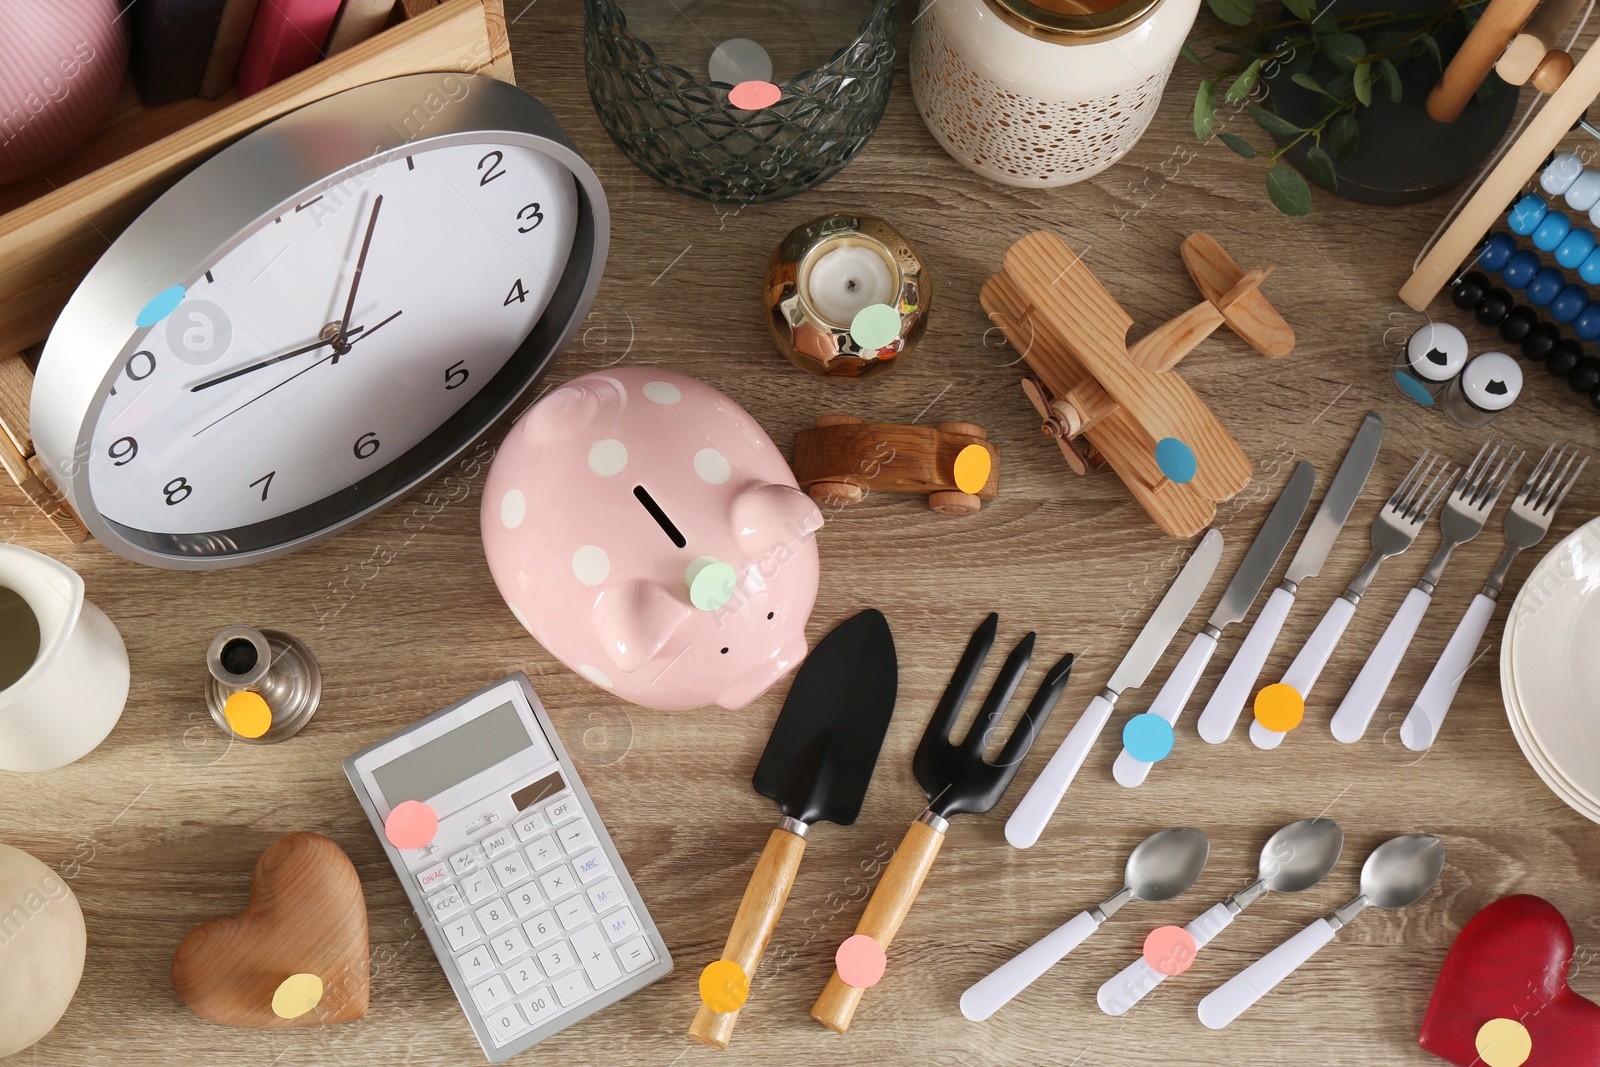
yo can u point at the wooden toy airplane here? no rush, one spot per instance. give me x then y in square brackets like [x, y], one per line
[1124, 400]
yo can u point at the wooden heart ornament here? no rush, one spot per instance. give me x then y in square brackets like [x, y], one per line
[1510, 963]
[296, 956]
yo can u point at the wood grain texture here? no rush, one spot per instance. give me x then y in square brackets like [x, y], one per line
[888, 457]
[157, 829]
[1485, 44]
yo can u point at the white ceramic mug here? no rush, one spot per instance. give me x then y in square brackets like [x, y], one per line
[69, 698]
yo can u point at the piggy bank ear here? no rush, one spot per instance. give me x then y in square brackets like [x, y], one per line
[570, 410]
[635, 620]
[770, 514]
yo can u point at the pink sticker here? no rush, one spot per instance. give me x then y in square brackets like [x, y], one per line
[411, 824]
[754, 95]
[860, 961]
[1170, 950]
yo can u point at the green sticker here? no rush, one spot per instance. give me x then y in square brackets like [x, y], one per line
[874, 326]
[711, 583]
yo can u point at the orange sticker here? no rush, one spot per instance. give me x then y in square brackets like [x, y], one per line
[861, 961]
[411, 824]
[1504, 1043]
[1169, 949]
[724, 986]
[754, 95]
[1280, 707]
[972, 469]
[247, 714]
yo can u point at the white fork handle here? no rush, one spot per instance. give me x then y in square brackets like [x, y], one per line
[1042, 798]
[1307, 666]
[1366, 693]
[1229, 1000]
[991, 993]
[1222, 710]
[1433, 703]
[1169, 703]
[1138, 977]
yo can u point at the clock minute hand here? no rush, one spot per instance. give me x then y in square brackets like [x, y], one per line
[341, 343]
[252, 368]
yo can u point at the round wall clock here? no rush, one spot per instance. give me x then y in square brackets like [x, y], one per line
[317, 318]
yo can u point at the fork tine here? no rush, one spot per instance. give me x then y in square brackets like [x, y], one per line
[1405, 483]
[1530, 488]
[1034, 716]
[1514, 455]
[1565, 487]
[1478, 462]
[961, 679]
[1556, 478]
[1419, 487]
[1438, 488]
[1492, 482]
[999, 698]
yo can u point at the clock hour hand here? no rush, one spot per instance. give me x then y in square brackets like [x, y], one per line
[242, 371]
[341, 343]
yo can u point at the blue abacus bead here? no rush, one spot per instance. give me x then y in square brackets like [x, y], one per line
[1497, 250]
[1589, 269]
[1586, 327]
[1544, 288]
[1527, 214]
[1575, 247]
[1520, 268]
[1585, 192]
[1551, 231]
[1563, 170]
[1569, 303]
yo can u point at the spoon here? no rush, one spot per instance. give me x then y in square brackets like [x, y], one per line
[1399, 872]
[1293, 860]
[1162, 866]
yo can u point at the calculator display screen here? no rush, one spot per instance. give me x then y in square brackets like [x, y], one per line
[446, 761]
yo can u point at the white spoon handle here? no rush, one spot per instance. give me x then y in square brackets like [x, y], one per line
[1228, 1001]
[990, 993]
[1138, 978]
[1169, 703]
[1307, 666]
[1233, 692]
[1433, 703]
[1043, 797]
[1366, 692]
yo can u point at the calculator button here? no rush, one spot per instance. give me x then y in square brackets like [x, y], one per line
[635, 954]
[432, 878]
[467, 860]
[561, 809]
[576, 836]
[512, 869]
[574, 911]
[505, 1024]
[523, 976]
[595, 955]
[543, 852]
[541, 928]
[491, 994]
[447, 903]
[510, 946]
[557, 959]
[606, 895]
[557, 883]
[525, 900]
[591, 865]
[475, 964]
[538, 1005]
[528, 825]
[479, 887]
[461, 932]
[620, 924]
[571, 989]
[495, 844]
[495, 916]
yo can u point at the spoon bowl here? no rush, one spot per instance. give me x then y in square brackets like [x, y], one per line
[1402, 870]
[1167, 863]
[1301, 854]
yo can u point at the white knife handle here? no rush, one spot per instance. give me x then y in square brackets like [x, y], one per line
[1433, 703]
[1042, 798]
[1138, 977]
[1239, 680]
[1229, 1000]
[990, 993]
[1169, 703]
[1366, 693]
[1307, 666]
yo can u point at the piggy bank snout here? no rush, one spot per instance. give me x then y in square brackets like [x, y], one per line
[634, 622]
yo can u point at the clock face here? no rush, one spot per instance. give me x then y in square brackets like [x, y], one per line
[257, 396]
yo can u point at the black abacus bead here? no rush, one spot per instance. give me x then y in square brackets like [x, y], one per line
[1543, 339]
[1518, 324]
[1469, 290]
[1563, 357]
[1594, 398]
[1585, 377]
[1494, 307]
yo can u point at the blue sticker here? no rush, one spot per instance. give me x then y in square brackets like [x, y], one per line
[1413, 388]
[1176, 460]
[161, 305]
[1148, 738]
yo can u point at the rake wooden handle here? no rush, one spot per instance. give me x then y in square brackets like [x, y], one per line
[1487, 42]
[758, 914]
[887, 909]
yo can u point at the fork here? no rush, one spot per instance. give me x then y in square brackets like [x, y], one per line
[1462, 519]
[1527, 521]
[1393, 531]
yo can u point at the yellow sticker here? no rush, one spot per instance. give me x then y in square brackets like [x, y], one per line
[972, 469]
[247, 714]
[1504, 1043]
[724, 986]
[296, 995]
[1280, 707]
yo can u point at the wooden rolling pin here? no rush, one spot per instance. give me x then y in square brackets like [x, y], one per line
[1533, 55]
[1501, 21]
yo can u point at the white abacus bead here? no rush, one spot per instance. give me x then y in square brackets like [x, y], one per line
[1561, 173]
[1584, 193]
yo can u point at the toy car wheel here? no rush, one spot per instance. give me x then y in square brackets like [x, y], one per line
[835, 494]
[953, 502]
[824, 421]
[966, 428]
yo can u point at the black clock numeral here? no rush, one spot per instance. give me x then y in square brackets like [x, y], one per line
[265, 482]
[366, 445]
[517, 293]
[456, 376]
[122, 451]
[149, 365]
[492, 160]
[530, 212]
[177, 491]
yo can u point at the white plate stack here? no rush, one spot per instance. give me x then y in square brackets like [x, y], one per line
[1550, 669]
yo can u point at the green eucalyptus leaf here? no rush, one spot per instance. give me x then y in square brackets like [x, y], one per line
[1244, 83]
[1319, 166]
[1363, 83]
[1390, 77]
[1382, 42]
[1306, 81]
[1188, 53]
[1233, 12]
[1238, 144]
[1205, 109]
[1301, 9]
[1325, 22]
[1344, 136]
[1289, 192]
[1273, 124]
[1432, 46]
[1299, 61]
[1232, 50]
[1487, 88]
[1342, 85]
[1343, 50]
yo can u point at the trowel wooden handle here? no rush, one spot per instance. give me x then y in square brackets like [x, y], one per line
[758, 915]
[887, 909]
[1484, 45]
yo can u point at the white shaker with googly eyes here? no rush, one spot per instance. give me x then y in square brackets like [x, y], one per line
[1490, 383]
[1433, 356]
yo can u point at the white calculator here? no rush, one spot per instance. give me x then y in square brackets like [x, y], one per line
[521, 892]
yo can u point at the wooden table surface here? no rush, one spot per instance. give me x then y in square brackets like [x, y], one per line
[158, 828]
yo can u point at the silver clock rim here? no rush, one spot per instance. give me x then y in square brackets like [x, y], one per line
[227, 198]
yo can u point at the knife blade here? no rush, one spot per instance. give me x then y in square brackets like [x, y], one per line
[1228, 701]
[1273, 537]
[1044, 795]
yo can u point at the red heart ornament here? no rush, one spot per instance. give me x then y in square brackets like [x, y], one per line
[1510, 962]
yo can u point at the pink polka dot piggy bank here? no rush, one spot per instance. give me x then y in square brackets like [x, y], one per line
[648, 533]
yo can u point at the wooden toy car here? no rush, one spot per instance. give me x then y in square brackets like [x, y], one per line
[953, 463]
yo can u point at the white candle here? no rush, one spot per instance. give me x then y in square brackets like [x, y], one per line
[846, 279]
